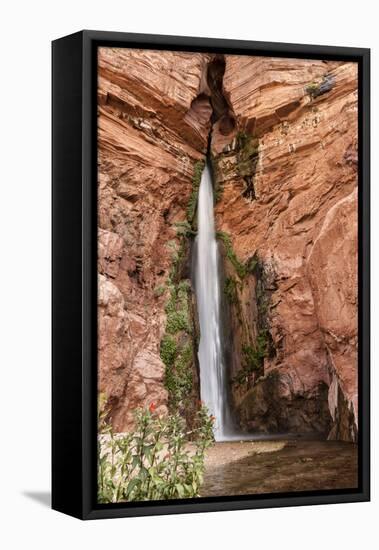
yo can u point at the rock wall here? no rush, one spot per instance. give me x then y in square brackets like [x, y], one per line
[284, 154]
[288, 178]
[152, 129]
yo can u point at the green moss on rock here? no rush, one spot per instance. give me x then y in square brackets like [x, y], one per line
[184, 229]
[230, 290]
[242, 269]
[315, 89]
[252, 358]
[168, 350]
[177, 346]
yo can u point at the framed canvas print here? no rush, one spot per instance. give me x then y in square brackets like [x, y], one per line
[210, 274]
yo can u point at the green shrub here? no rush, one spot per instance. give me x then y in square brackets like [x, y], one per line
[312, 89]
[252, 358]
[177, 321]
[152, 462]
[177, 309]
[315, 89]
[184, 286]
[178, 377]
[168, 350]
[177, 346]
[171, 302]
[184, 229]
[230, 290]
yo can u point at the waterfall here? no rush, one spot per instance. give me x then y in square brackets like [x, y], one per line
[213, 383]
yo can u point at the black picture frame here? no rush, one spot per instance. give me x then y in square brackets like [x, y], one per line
[74, 294]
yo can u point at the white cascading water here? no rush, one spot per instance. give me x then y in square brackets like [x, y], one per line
[213, 384]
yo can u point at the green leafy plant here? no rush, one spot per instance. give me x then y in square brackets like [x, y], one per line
[177, 309]
[315, 89]
[312, 89]
[230, 290]
[154, 461]
[177, 321]
[177, 345]
[178, 376]
[168, 350]
[253, 357]
[184, 229]
[176, 349]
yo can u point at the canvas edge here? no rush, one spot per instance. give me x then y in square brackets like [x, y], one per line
[85, 507]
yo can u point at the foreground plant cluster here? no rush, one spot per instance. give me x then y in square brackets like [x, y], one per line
[153, 462]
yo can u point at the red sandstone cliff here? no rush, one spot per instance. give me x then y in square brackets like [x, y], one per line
[284, 148]
[301, 221]
[149, 137]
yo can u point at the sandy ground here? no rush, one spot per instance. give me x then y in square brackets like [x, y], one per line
[253, 467]
[226, 453]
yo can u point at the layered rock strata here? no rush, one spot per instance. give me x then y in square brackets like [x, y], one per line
[284, 154]
[289, 205]
[152, 129]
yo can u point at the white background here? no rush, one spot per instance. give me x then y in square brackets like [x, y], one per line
[26, 31]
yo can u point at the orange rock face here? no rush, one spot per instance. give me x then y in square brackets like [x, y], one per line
[301, 222]
[284, 148]
[332, 272]
[151, 131]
